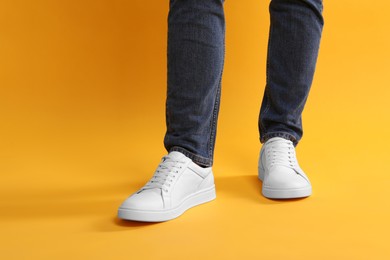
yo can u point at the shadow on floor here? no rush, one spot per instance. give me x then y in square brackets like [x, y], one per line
[103, 202]
[246, 187]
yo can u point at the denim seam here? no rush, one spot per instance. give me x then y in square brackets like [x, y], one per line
[268, 105]
[216, 108]
[213, 124]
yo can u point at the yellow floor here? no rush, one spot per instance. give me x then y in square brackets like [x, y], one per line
[82, 120]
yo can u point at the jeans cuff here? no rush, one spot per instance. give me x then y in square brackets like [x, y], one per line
[200, 160]
[284, 135]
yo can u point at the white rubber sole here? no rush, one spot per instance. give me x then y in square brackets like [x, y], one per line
[193, 200]
[273, 193]
[286, 193]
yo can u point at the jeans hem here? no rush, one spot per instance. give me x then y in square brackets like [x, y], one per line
[284, 135]
[200, 160]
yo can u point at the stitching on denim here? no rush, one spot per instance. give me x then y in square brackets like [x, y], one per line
[217, 103]
[268, 104]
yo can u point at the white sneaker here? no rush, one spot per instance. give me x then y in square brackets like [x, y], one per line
[177, 185]
[280, 172]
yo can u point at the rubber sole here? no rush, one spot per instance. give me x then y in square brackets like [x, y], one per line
[286, 193]
[193, 200]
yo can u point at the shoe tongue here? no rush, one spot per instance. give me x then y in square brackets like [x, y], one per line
[276, 139]
[176, 155]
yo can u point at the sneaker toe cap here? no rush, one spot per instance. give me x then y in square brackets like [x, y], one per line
[144, 200]
[281, 177]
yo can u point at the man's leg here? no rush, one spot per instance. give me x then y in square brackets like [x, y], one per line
[184, 178]
[294, 38]
[196, 48]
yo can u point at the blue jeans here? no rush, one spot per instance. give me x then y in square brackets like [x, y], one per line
[195, 59]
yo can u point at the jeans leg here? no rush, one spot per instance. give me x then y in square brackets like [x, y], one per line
[195, 57]
[294, 39]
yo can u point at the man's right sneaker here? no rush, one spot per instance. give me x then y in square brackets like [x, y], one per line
[177, 185]
[280, 172]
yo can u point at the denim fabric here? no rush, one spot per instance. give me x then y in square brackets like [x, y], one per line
[195, 59]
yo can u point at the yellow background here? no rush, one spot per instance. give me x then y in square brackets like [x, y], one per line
[82, 92]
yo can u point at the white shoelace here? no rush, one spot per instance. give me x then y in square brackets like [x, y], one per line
[281, 152]
[165, 174]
